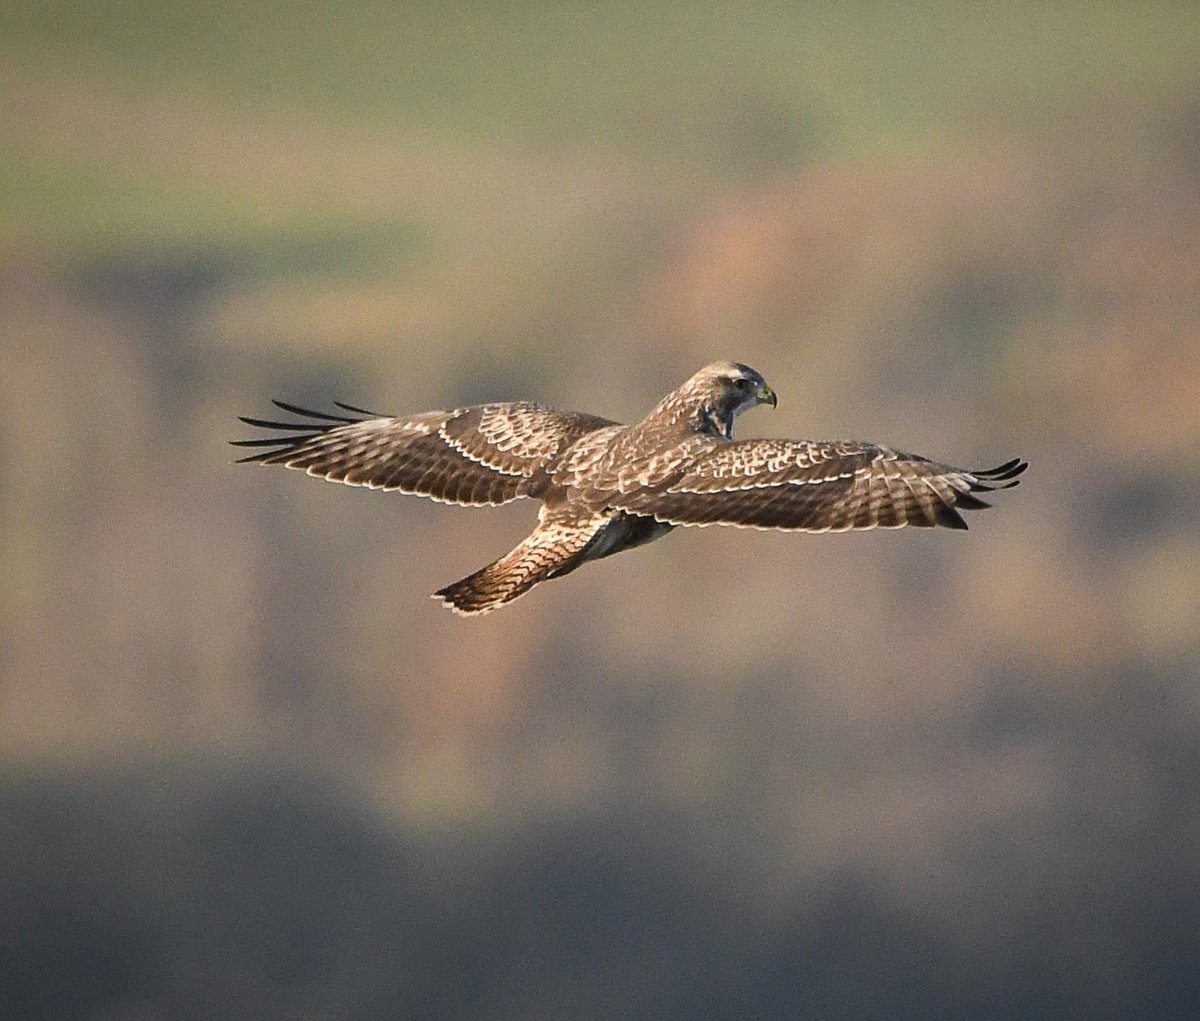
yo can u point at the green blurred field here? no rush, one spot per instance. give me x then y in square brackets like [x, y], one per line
[715, 90]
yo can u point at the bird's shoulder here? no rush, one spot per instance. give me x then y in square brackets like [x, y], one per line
[623, 459]
[523, 432]
[585, 454]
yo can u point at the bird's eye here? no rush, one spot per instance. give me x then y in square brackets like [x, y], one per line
[741, 382]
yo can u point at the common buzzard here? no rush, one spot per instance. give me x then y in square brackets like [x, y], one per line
[607, 487]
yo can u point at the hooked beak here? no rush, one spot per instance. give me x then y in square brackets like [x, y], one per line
[766, 395]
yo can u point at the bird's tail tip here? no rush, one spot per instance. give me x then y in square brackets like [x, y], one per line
[462, 603]
[480, 593]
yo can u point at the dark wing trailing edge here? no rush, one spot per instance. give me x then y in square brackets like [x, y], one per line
[483, 455]
[816, 487]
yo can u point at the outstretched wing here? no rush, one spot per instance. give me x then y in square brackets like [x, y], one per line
[483, 455]
[815, 487]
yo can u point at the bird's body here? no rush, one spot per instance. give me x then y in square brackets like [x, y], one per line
[607, 487]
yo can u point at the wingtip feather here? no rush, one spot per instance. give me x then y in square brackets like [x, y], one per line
[1003, 472]
[359, 411]
[295, 409]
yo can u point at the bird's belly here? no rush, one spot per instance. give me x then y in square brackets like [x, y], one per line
[625, 532]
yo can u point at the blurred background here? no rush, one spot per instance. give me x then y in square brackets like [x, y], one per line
[251, 770]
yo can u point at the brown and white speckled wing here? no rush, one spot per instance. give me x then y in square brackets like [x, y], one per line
[814, 487]
[482, 455]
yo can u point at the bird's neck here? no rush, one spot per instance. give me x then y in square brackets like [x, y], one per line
[674, 414]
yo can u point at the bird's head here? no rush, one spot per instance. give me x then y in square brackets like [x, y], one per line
[723, 390]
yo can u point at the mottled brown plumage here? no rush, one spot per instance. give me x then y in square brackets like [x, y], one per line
[607, 487]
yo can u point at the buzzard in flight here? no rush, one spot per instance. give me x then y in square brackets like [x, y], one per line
[607, 487]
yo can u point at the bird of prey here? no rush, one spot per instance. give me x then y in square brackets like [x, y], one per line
[606, 487]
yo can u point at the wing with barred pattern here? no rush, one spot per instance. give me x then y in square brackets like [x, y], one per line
[484, 455]
[815, 487]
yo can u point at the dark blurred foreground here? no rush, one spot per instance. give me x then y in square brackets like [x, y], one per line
[207, 889]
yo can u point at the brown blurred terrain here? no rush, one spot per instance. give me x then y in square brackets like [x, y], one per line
[252, 770]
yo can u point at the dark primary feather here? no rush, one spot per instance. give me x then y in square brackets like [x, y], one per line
[358, 411]
[312, 429]
[1002, 473]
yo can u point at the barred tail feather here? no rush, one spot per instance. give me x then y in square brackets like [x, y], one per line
[486, 589]
[551, 550]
